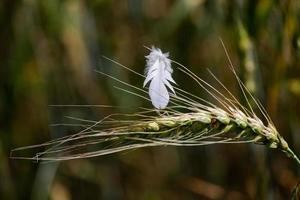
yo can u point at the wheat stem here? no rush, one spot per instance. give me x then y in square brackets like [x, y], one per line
[293, 155]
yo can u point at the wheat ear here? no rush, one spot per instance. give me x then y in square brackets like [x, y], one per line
[189, 121]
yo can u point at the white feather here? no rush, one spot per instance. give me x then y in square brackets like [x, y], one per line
[159, 74]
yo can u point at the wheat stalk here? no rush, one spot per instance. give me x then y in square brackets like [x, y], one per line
[189, 121]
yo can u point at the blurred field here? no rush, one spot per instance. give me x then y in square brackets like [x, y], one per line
[50, 48]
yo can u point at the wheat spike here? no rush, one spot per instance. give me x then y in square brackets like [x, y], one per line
[189, 121]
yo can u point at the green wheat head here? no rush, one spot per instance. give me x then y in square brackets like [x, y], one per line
[189, 121]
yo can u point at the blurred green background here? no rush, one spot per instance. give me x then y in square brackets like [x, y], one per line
[50, 48]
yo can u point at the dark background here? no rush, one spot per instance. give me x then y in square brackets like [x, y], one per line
[50, 48]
